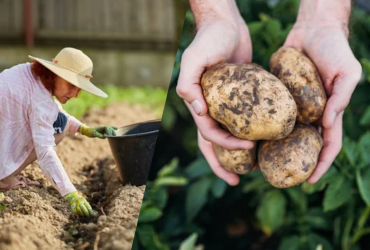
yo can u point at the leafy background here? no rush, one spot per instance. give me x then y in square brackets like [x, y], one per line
[187, 207]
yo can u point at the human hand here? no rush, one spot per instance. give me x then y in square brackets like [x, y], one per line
[97, 131]
[222, 36]
[78, 204]
[326, 45]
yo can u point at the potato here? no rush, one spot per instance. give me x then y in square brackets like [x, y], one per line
[236, 161]
[302, 79]
[252, 103]
[290, 161]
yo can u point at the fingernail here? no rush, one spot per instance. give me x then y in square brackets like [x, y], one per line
[333, 116]
[197, 107]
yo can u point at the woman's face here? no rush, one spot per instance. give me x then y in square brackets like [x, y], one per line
[64, 90]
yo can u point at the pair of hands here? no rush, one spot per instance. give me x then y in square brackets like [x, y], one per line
[326, 45]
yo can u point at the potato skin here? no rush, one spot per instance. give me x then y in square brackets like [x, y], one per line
[252, 103]
[236, 161]
[290, 161]
[302, 79]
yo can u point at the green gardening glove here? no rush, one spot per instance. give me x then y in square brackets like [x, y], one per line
[79, 204]
[97, 131]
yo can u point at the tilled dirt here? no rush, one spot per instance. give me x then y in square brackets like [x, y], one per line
[38, 217]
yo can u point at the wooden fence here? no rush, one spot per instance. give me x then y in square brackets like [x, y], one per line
[92, 21]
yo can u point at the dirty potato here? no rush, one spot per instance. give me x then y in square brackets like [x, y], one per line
[302, 79]
[252, 103]
[290, 161]
[236, 161]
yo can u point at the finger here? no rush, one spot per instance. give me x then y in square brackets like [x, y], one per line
[212, 132]
[84, 210]
[115, 128]
[78, 210]
[109, 131]
[188, 86]
[91, 211]
[99, 135]
[209, 153]
[340, 95]
[332, 146]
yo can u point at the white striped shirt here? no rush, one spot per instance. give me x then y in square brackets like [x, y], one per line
[27, 114]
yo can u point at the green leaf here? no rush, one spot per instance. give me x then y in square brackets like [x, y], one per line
[145, 204]
[363, 183]
[2, 207]
[351, 151]
[168, 118]
[315, 240]
[219, 187]
[149, 238]
[189, 243]
[366, 67]
[316, 218]
[255, 27]
[365, 119]
[169, 168]
[337, 193]
[155, 196]
[364, 147]
[299, 198]
[321, 184]
[313, 188]
[256, 184]
[171, 181]
[271, 211]
[196, 197]
[290, 243]
[198, 168]
[149, 214]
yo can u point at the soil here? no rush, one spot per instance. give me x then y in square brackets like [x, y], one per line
[38, 217]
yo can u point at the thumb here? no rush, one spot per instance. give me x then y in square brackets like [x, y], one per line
[343, 88]
[188, 86]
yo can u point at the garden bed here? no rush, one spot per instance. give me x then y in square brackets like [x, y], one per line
[39, 218]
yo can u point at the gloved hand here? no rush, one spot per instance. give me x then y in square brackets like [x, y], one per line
[97, 131]
[79, 204]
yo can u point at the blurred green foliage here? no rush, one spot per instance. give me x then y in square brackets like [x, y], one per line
[148, 96]
[194, 209]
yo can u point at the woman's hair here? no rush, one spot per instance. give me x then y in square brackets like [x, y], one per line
[46, 76]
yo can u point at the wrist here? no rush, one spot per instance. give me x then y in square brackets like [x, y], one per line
[209, 11]
[70, 195]
[319, 14]
[83, 128]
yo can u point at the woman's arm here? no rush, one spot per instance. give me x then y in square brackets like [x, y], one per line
[44, 143]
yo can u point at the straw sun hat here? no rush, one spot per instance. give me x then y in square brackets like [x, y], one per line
[75, 67]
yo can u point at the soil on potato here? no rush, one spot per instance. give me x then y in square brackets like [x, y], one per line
[38, 217]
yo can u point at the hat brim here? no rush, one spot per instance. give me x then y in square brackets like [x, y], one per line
[79, 81]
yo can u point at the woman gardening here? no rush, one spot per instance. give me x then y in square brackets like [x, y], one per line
[32, 123]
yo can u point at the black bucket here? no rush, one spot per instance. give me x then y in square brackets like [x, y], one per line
[133, 148]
